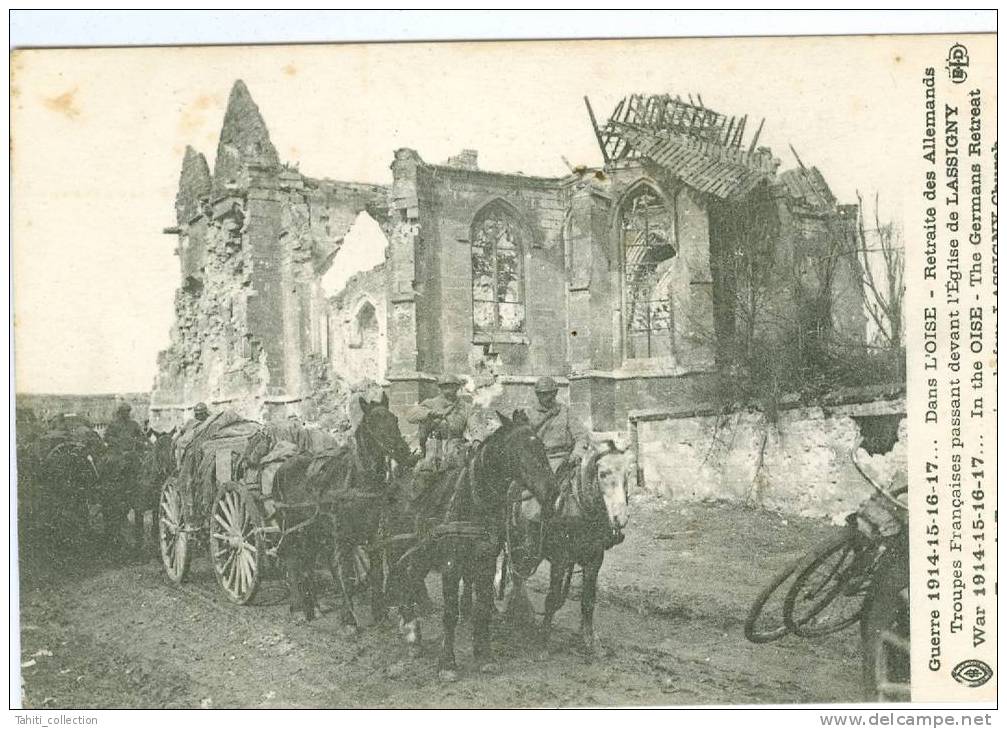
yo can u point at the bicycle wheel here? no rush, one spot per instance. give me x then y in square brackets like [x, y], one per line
[764, 622]
[828, 592]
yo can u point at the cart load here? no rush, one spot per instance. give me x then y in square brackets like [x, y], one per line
[223, 494]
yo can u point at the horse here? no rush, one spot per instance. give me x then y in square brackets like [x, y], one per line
[65, 475]
[119, 480]
[158, 465]
[130, 481]
[464, 535]
[332, 503]
[590, 516]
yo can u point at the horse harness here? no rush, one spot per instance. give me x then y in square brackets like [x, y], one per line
[588, 502]
[315, 468]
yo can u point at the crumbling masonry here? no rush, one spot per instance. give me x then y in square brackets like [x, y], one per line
[619, 281]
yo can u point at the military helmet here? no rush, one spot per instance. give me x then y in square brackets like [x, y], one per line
[546, 384]
[201, 409]
[449, 380]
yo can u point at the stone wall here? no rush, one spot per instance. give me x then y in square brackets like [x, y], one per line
[573, 331]
[454, 198]
[256, 330]
[254, 239]
[357, 346]
[799, 464]
[606, 383]
[431, 328]
[99, 409]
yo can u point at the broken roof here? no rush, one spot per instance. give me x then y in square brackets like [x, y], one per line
[706, 149]
[807, 187]
[720, 171]
[661, 112]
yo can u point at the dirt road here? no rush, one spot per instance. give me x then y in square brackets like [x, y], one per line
[672, 600]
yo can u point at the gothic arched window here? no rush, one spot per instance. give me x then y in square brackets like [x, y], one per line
[365, 326]
[648, 244]
[497, 282]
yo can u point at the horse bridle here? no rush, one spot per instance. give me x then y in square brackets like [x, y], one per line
[513, 497]
[386, 450]
[601, 508]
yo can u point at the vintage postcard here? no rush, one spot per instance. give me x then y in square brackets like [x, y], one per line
[506, 374]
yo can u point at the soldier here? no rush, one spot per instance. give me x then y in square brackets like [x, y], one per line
[566, 444]
[565, 439]
[189, 431]
[124, 433]
[442, 421]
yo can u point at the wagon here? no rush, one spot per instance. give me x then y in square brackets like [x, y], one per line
[208, 502]
[216, 502]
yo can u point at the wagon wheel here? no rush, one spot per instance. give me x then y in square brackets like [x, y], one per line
[765, 618]
[173, 532]
[828, 592]
[237, 542]
[884, 630]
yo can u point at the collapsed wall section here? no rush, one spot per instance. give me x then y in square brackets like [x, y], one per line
[254, 240]
[212, 355]
[357, 345]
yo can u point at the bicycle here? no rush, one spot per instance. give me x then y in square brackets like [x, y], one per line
[826, 589]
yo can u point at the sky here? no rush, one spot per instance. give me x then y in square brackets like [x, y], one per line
[98, 138]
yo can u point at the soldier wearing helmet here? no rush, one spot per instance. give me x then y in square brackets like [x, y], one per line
[200, 414]
[445, 418]
[124, 433]
[565, 439]
[443, 421]
[566, 443]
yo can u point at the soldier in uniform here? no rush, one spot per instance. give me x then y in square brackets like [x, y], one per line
[442, 422]
[123, 432]
[190, 430]
[565, 439]
[566, 444]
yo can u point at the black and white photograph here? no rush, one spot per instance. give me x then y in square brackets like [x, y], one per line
[504, 374]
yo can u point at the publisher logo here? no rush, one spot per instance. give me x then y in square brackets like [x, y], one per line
[972, 673]
[958, 63]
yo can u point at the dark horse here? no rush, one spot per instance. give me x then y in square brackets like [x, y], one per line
[130, 481]
[462, 534]
[590, 516]
[65, 475]
[333, 502]
[120, 478]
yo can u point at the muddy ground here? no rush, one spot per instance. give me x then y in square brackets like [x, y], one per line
[101, 633]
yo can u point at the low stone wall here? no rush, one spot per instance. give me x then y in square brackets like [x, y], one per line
[798, 463]
[97, 408]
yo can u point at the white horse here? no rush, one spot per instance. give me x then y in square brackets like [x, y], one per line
[591, 513]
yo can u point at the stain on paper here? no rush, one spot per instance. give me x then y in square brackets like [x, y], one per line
[64, 104]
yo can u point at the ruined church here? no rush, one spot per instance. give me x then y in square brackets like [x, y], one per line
[621, 282]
